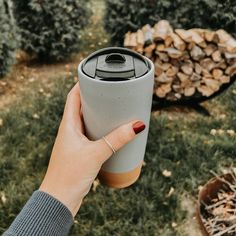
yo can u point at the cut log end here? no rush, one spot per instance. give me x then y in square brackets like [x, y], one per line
[187, 62]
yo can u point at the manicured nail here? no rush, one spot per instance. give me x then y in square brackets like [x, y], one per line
[138, 127]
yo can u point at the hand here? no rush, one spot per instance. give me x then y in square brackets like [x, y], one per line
[75, 160]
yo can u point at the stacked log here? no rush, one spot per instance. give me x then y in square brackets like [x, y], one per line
[187, 62]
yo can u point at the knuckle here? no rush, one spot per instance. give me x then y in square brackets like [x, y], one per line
[125, 134]
[130, 134]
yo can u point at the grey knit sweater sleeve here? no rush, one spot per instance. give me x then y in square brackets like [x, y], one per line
[42, 215]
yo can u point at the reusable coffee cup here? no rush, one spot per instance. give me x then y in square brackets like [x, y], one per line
[116, 87]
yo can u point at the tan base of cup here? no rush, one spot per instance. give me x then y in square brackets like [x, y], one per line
[120, 180]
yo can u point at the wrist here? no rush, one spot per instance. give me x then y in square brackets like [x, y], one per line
[73, 204]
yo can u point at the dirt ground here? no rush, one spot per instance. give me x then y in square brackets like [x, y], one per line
[25, 73]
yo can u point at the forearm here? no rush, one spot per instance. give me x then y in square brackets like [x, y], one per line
[42, 215]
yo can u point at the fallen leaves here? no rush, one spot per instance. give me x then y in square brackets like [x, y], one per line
[171, 191]
[222, 116]
[1, 122]
[166, 173]
[3, 197]
[230, 132]
[219, 132]
[174, 225]
[96, 183]
[3, 83]
[32, 79]
[36, 116]
[41, 90]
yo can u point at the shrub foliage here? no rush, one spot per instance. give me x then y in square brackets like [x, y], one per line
[7, 38]
[129, 15]
[51, 29]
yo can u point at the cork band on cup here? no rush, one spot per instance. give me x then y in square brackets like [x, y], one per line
[120, 180]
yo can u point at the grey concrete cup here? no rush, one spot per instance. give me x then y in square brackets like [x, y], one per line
[116, 87]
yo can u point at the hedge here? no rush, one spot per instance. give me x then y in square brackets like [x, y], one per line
[128, 15]
[8, 41]
[51, 29]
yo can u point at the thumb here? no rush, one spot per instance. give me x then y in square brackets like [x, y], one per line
[119, 137]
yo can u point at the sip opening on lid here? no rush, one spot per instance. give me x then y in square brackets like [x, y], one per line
[115, 64]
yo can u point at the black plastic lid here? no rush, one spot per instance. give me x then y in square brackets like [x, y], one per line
[115, 64]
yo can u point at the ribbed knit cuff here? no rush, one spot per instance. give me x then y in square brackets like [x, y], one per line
[42, 215]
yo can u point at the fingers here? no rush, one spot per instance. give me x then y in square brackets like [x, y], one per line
[119, 137]
[73, 102]
[72, 111]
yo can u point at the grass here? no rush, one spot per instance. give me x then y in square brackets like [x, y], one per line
[177, 142]
[26, 138]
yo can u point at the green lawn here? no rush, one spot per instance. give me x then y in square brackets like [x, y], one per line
[179, 142]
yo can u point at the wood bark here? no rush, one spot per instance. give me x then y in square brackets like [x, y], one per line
[187, 62]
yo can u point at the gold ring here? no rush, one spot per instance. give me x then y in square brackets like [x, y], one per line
[109, 144]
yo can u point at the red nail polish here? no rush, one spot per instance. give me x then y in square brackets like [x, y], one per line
[138, 127]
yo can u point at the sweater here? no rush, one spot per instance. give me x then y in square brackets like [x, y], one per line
[42, 215]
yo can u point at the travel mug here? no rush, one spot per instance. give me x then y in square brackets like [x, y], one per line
[116, 87]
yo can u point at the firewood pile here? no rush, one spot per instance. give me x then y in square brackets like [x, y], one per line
[219, 215]
[188, 63]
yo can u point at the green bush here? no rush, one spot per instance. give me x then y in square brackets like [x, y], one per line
[7, 38]
[51, 30]
[123, 16]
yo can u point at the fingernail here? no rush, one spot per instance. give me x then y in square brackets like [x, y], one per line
[138, 127]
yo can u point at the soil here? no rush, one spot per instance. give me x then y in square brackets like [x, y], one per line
[23, 74]
[190, 225]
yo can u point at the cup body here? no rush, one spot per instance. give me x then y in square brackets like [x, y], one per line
[107, 105]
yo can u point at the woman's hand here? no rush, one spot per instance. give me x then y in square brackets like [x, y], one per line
[75, 160]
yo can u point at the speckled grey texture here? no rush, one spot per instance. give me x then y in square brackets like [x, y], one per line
[107, 105]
